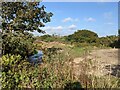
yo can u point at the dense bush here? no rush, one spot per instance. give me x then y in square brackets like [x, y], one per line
[109, 41]
[47, 38]
[51, 38]
[83, 36]
[22, 17]
[17, 72]
[18, 43]
[115, 44]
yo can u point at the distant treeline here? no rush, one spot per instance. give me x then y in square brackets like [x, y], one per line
[84, 38]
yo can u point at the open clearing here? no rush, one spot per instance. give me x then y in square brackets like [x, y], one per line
[99, 63]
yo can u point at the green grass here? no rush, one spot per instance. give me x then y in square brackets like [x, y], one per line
[72, 51]
[75, 52]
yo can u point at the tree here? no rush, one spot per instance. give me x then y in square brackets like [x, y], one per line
[83, 36]
[110, 41]
[18, 43]
[115, 40]
[24, 16]
[21, 17]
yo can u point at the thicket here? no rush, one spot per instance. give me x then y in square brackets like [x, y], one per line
[18, 44]
[51, 38]
[83, 38]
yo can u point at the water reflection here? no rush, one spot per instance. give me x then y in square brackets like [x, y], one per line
[36, 58]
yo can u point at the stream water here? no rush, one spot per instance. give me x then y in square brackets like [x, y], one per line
[36, 58]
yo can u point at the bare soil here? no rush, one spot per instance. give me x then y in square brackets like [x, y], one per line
[99, 63]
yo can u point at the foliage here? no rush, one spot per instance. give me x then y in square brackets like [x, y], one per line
[24, 16]
[51, 38]
[47, 38]
[109, 41]
[50, 54]
[54, 74]
[19, 18]
[83, 36]
[18, 73]
[115, 44]
[18, 43]
[105, 82]
[73, 86]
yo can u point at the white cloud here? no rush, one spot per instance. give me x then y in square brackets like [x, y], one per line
[69, 19]
[53, 28]
[58, 28]
[90, 19]
[72, 27]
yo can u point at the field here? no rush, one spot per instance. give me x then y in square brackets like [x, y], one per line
[90, 64]
[60, 54]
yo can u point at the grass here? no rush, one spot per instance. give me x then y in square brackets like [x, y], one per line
[60, 71]
[73, 51]
[107, 81]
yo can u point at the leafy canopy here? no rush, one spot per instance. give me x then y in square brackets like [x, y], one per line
[19, 18]
[18, 43]
[83, 36]
[24, 16]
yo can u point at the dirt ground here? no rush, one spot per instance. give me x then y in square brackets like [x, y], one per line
[99, 63]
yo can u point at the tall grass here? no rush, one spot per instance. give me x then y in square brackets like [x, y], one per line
[59, 70]
[88, 80]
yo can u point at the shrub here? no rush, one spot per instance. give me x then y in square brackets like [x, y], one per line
[18, 43]
[17, 72]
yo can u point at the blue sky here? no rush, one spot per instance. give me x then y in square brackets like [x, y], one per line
[100, 17]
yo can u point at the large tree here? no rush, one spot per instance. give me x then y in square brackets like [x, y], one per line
[82, 36]
[24, 16]
[19, 18]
